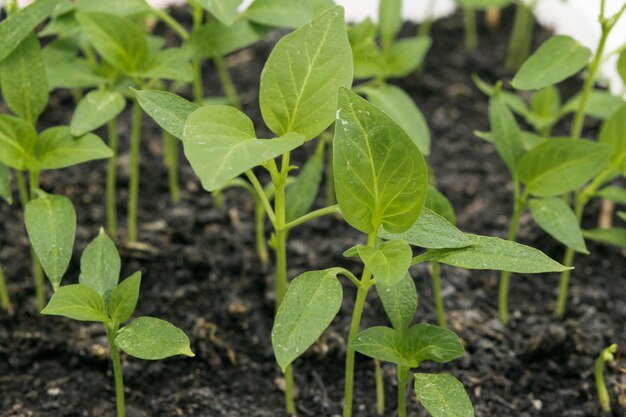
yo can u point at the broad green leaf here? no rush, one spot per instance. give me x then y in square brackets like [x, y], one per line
[301, 194]
[382, 343]
[78, 302]
[57, 148]
[613, 193]
[442, 395]
[439, 203]
[23, 80]
[17, 27]
[51, 226]
[389, 21]
[612, 236]
[312, 301]
[5, 183]
[600, 104]
[152, 339]
[168, 64]
[100, 265]
[556, 217]
[223, 10]
[380, 175]
[72, 73]
[558, 166]
[220, 144]
[389, 262]
[123, 8]
[167, 109]
[118, 39]
[123, 299]
[558, 58]
[17, 142]
[494, 253]
[301, 77]
[400, 107]
[424, 342]
[286, 13]
[613, 134]
[406, 55]
[430, 231]
[367, 58]
[505, 133]
[546, 102]
[95, 109]
[399, 301]
[217, 39]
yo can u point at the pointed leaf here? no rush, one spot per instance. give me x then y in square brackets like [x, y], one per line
[399, 301]
[600, 104]
[442, 395]
[439, 203]
[389, 21]
[17, 142]
[77, 302]
[557, 218]
[301, 77]
[223, 10]
[57, 148]
[613, 193]
[613, 236]
[389, 262]
[123, 299]
[168, 64]
[505, 133]
[96, 109]
[312, 301]
[217, 39]
[406, 55]
[286, 13]
[100, 265]
[613, 134]
[301, 195]
[167, 109]
[152, 339]
[382, 343]
[424, 342]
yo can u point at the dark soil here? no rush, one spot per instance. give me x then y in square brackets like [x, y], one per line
[201, 272]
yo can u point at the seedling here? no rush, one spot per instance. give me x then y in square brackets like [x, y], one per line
[522, 34]
[98, 297]
[603, 395]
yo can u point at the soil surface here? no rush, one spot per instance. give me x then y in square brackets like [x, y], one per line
[201, 272]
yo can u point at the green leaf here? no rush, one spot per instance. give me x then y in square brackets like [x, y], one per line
[167, 109]
[286, 13]
[382, 343]
[430, 231]
[301, 194]
[442, 395]
[389, 262]
[424, 342]
[223, 10]
[168, 64]
[399, 301]
[483, 4]
[439, 203]
[600, 104]
[613, 236]
[613, 134]
[119, 40]
[217, 39]
[380, 175]
[312, 301]
[51, 225]
[95, 109]
[389, 21]
[57, 148]
[367, 59]
[78, 302]
[621, 65]
[400, 107]
[406, 55]
[301, 77]
[152, 339]
[558, 166]
[123, 299]
[117, 7]
[613, 193]
[100, 265]
[622, 215]
[220, 144]
[23, 80]
[71, 73]
[17, 27]
[17, 142]
[494, 253]
[5, 183]
[505, 133]
[557, 218]
[558, 58]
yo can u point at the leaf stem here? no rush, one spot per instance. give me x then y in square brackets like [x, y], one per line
[198, 89]
[568, 261]
[259, 231]
[5, 301]
[603, 395]
[436, 279]
[380, 388]
[521, 36]
[22, 190]
[226, 81]
[117, 369]
[402, 381]
[133, 189]
[261, 195]
[469, 24]
[171, 22]
[111, 181]
[40, 292]
[170, 154]
[313, 215]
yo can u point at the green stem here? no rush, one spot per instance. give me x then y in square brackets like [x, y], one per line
[436, 278]
[380, 388]
[334, 209]
[5, 301]
[505, 276]
[198, 89]
[402, 381]
[226, 81]
[40, 291]
[330, 176]
[568, 261]
[170, 154]
[603, 395]
[261, 195]
[357, 312]
[22, 189]
[427, 24]
[521, 36]
[133, 188]
[171, 22]
[259, 231]
[469, 24]
[111, 181]
[117, 370]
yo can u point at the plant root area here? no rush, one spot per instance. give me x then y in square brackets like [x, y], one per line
[201, 272]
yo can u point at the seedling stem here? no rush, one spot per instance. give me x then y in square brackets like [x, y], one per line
[603, 395]
[133, 188]
[5, 302]
[469, 23]
[226, 81]
[380, 388]
[111, 181]
[521, 36]
[403, 378]
[170, 155]
[436, 278]
[117, 369]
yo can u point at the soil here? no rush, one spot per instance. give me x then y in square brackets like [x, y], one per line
[201, 272]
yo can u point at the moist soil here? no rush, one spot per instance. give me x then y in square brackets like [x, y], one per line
[201, 272]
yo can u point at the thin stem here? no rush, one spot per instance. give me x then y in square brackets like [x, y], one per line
[5, 301]
[469, 24]
[261, 195]
[603, 395]
[259, 231]
[568, 261]
[314, 215]
[133, 189]
[505, 276]
[226, 81]
[402, 381]
[436, 278]
[40, 289]
[170, 154]
[22, 189]
[198, 89]
[425, 27]
[117, 370]
[380, 388]
[330, 176]
[171, 22]
[111, 181]
[521, 36]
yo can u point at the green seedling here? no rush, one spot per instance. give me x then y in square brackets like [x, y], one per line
[521, 38]
[98, 297]
[469, 17]
[603, 395]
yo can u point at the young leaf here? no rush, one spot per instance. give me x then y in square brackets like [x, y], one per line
[100, 265]
[57, 148]
[119, 40]
[220, 143]
[612, 236]
[51, 226]
[123, 299]
[382, 343]
[399, 301]
[613, 193]
[312, 301]
[78, 302]
[72, 73]
[380, 175]
[406, 55]
[223, 10]
[437, 202]
[424, 342]
[95, 109]
[301, 195]
[5, 183]
[17, 142]
[389, 262]
[167, 109]
[390, 21]
[600, 104]
[217, 39]
[430, 231]
[558, 166]
[400, 107]
[152, 339]
[367, 59]
[168, 64]
[557, 218]
[613, 134]
[442, 395]
[558, 58]
[23, 80]
[286, 13]
[301, 77]
[505, 132]
[546, 103]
